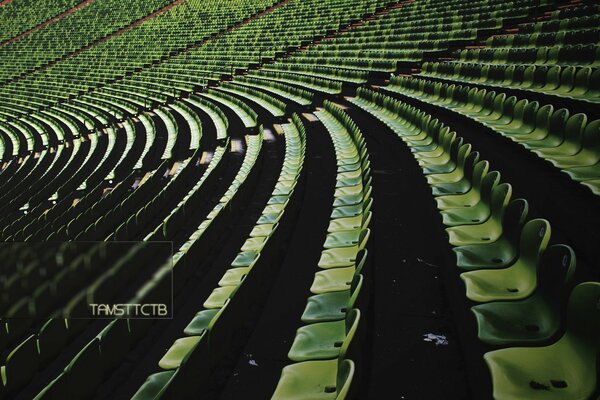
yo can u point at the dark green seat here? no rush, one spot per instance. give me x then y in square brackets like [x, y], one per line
[503, 251]
[472, 196]
[84, 373]
[475, 213]
[553, 135]
[115, 342]
[536, 318]
[566, 369]
[520, 279]
[488, 230]
[588, 155]
[21, 365]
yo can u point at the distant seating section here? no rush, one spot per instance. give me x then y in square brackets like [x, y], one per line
[189, 122]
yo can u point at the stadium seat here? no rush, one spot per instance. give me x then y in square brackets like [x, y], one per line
[564, 369]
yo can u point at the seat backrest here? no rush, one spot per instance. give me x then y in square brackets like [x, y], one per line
[574, 127]
[558, 122]
[480, 170]
[355, 288]
[344, 378]
[591, 136]
[500, 198]
[514, 218]
[534, 239]
[555, 271]
[583, 313]
[542, 119]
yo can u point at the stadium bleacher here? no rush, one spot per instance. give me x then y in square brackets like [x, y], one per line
[340, 199]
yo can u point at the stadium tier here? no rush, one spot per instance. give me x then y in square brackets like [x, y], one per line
[299, 199]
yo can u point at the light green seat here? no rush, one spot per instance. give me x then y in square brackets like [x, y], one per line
[338, 279]
[517, 281]
[254, 244]
[554, 135]
[349, 238]
[315, 380]
[351, 211]
[332, 306]
[323, 340]
[360, 221]
[503, 251]
[154, 386]
[263, 230]
[178, 351]
[245, 259]
[233, 276]
[566, 369]
[489, 230]
[343, 256]
[536, 318]
[219, 296]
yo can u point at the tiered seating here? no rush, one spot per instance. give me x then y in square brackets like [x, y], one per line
[320, 347]
[176, 124]
[556, 57]
[568, 142]
[520, 280]
[188, 363]
[18, 16]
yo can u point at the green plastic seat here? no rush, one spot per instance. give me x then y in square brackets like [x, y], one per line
[503, 251]
[323, 340]
[542, 124]
[458, 182]
[520, 279]
[360, 221]
[338, 279]
[553, 135]
[566, 369]
[245, 259]
[219, 296]
[570, 141]
[464, 157]
[458, 154]
[332, 306]
[564, 138]
[315, 380]
[536, 318]
[343, 256]
[154, 386]
[488, 230]
[470, 198]
[201, 321]
[178, 351]
[475, 213]
[349, 238]
[588, 155]
[522, 123]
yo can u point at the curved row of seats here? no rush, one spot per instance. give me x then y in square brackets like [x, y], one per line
[522, 282]
[320, 348]
[569, 142]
